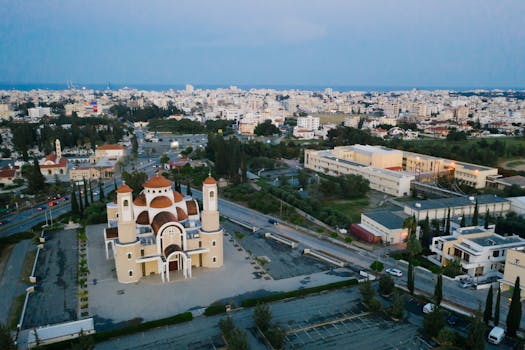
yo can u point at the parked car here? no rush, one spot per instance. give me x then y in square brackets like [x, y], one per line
[41, 208]
[496, 335]
[428, 308]
[466, 284]
[452, 320]
[394, 272]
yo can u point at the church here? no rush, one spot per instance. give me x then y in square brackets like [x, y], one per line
[162, 232]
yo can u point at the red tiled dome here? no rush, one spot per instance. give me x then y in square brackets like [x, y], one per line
[140, 200]
[143, 218]
[210, 181]
[181, 214]
[161, 202]
[158, 182]
[124, 189]
[160, 219]
[177, 197]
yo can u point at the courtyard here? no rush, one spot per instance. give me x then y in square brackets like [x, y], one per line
[112, 303]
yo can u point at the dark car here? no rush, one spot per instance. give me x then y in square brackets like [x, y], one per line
[452, 320]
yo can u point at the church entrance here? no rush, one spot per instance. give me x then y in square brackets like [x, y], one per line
[173, 265]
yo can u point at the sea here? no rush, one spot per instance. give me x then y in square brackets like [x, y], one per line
[165, 87]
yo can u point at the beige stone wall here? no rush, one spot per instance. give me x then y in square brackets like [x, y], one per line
[150, 249]
[124, 263]
[216, 251]
[210, 220]
[514, 267]
[151, 267]
[112, 212]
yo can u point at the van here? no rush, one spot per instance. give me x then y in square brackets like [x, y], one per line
[496, 335]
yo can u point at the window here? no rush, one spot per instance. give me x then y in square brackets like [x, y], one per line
[214, 243]
[129, 256]
[130, 273]
[212, 194]
[126, 203]
[214, 259]
[142, 252]
[200, 244]
[495, 253]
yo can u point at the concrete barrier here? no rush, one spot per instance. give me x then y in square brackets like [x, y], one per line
[325, 257]
[282, 239]
[249, 227]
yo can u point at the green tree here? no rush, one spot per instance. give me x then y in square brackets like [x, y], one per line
[446, 337]
[226, 326]
[426, 234]
[35, 180]
[462, 223]
[386, 284]
[475, 216]
[514, 315]
[486, 219]
[397, 309]
[91, 192]
[438, 290]
[86, 201]
[487, 315]
[476, 332]
[452, 268]
[410, 278]
[80, 203]
[101, 191]
[6, 341]
[266, 129]
[367, 292]
[262, 316]
[433, 322]
[497, 308]
[447, 225]
[238, 340]
[188, 188]
[74, 203]
[135, 180]
[413, 244]
[377, 266]
[275, 336]
[303, 178]
[164, 159]
[134, 146]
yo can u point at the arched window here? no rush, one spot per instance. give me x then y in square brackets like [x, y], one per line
[214, 259]
[129, 256]
[126, 203]
[214, 243]
[212, 194]
[130, 273]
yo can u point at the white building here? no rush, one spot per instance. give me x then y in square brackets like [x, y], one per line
[308, 123]
[39, 112]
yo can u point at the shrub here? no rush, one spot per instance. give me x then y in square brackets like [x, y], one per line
[275, 336]
[215, 309]
[262, 316]
[377, 266]
[367, 292]
[386, 284]
[374, 304]
[446, 337]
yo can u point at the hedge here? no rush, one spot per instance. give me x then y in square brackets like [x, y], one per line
[215, 309]
[119, 332]
[298, 293]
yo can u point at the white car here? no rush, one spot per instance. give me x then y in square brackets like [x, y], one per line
[394, 272]
[428, 308]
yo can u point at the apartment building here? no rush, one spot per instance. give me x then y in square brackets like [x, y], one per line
[308, 122]
[481, 252]
[514, 267]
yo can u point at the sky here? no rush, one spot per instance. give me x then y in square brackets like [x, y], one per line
[411, 43]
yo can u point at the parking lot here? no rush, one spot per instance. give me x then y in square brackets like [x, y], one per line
[55, 296]
[283, 261]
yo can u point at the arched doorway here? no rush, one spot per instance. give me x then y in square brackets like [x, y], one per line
[176, 260]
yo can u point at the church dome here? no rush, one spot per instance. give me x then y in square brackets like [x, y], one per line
[210, 181]
[177, 196]
[157, 182]
[161, 202]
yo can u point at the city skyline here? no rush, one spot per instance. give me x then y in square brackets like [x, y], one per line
[376, 44]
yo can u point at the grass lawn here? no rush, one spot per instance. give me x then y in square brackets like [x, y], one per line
[515, 163]
[28, 265]
[15, 311]
[352, 208]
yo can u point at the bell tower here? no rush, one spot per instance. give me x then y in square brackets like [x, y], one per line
[58, 149]
[210, 201]
[126, 221]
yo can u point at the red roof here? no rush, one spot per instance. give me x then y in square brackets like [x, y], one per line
[7, 173]
[124, 189]
[210, 181]
[192, 207]
[143, 218]
[62, 162]
[160, 219]
[140, 200]
[177, 196]
[111, 147]
[181, 214]
[160, 202]
[157, 182]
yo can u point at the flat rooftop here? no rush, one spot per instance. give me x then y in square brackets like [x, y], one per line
[454, 202]
[497, 240]
[386, 218]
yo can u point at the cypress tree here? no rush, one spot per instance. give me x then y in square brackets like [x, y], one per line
[487, 217]
[496, 309]
[188, 188]
[426, 237]
[101, 191]
[462, 222]
[438, 290]
[475, 217]
[74, 203]
[514, 315]
[86, 201]
[80, 203]
[91, 192]
[447, 227]
[475, 337]
[410, 278]
[487, 315]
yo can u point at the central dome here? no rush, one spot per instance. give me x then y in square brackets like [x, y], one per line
[158, 182]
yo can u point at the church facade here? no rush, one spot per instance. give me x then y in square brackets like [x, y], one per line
[163, 232]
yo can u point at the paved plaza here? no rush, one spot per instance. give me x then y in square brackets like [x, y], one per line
[55, 297]
[111, 302]
[284, 262]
